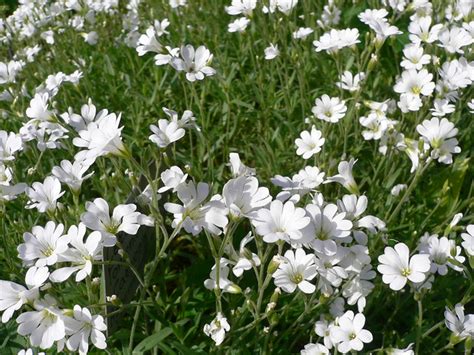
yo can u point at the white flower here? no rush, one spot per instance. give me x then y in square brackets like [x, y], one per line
[161, 26]
[101, 138]
[409, 102]
[372, 16]
[194, 215]
[172, 178]
[327, 226]
[148, 43]
[302, 33]
[456, 74]
[376, 126]
[454, 39]
[29, 351]
[349, 333]
[329, 109]
[440, 135]
[470, 104]
[39, 108]
[414, 57]
[187, 119]
[415, 83]
[80, 254]
[305, 181]
[246, 260]
[349, 82]
[397, 189]
[384, 30]
[241, 7]
[9, 71]
[442, 107]
[14, 296]
[456, 218]
[239, 25]
[415, 150]
[43, 246]
[72, 174]
[91, 38]
[330, 16]
[194, 62]
[407, 351]
[440, 250]
[359, 287]
[337, 39]
[45, 325]
[376, 20]
[322, 328]
[272, 51]
[242, 196]
[420, 30]
[177, 3]
[468, 237]
[354, 206]
[124, 218]
[397, 267]
[310, 143]
[345, 177]
[314, 349]
[295, 271]
[238, 168]
[308, 179]
[461, 325]
[330, 273]
[223, 283]
[217, 329]
[280, 222]
[166, 133]
[10, 143]
[44, 195]
[82, 327]
[285, 6]
[88, 114]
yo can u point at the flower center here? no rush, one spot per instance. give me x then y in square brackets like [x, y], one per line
[297, 278]
[352, 336]
[48, 251]
[416, 90]
[322, 235]
[112, 228]
[406, 272]
[48, 316]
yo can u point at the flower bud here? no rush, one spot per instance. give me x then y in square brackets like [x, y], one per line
[274, 264]
[234, 288]
[372, 62]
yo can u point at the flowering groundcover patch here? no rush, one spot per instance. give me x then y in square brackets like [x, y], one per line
[239, 176]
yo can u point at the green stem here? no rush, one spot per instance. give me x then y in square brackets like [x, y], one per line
[418, 174]
[419, 325]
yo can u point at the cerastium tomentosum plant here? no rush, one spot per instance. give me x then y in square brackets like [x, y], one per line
[255, 176]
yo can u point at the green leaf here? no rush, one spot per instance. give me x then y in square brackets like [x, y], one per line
[153, 340]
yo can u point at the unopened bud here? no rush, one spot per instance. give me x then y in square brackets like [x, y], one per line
[96, 281]
[234, 288]
[372, 62]
[114, 300]
[274, 264]
[270, 307]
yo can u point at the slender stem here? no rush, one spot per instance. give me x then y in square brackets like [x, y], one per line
[408, 191]
[432, 329]
[419, 325]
